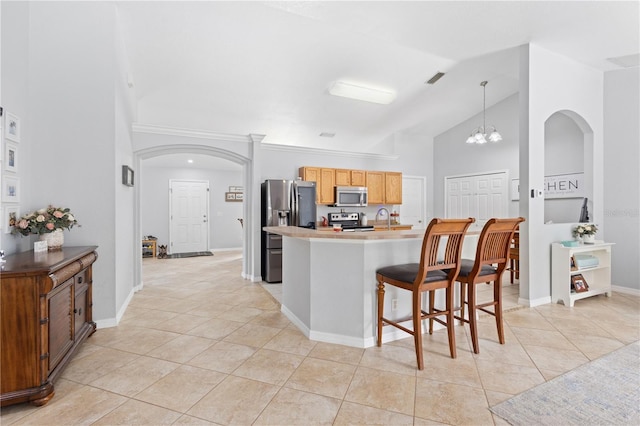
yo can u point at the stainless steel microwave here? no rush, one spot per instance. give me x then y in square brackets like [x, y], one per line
[351, 196]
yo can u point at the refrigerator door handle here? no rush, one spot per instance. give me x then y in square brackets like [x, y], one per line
[294, 205]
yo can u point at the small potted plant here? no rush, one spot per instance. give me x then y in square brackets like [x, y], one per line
[48, 223]
[586, 232]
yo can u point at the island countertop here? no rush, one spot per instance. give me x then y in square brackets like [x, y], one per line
[297, 232]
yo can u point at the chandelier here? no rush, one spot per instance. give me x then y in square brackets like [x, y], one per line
[479, 135]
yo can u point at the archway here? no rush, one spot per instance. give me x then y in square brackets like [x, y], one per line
[568, 166]
[249, 258]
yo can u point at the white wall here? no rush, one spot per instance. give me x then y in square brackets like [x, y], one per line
[79, 125]
[622, 184]
[550, 83]
[225, 230]
[14, 83]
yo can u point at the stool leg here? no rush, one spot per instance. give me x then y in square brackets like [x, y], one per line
[497, 299]
[380, 309]
[471, 303]
[417, 327]
[463, 298]
[432, 303]
[450, 321]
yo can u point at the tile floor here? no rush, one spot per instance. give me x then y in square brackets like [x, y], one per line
[200, 345]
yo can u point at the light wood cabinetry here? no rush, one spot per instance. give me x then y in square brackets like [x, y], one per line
[325, 182]
[358, 178]
[383, 187]
[393, 188]
[598, 278]
[375, 186]
[46, 315]
[327, 185]
[343, 177]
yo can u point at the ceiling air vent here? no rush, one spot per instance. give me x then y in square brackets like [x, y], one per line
[327, 135]
[435, 78]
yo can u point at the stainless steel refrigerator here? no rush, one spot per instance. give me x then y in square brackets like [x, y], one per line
[284, 203]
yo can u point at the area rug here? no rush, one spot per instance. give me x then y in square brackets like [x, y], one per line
[605, 391]
[189, 254]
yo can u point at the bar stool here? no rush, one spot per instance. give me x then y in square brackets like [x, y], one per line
[492, 256]
[435, 271]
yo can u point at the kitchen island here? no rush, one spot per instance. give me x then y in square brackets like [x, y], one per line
[329, 288]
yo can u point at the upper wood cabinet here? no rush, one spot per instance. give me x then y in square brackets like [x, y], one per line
[327, 185]
[358, 178]
[375, 186]
[383, 187]
[343, 177]
[393, 188]
[325, 182]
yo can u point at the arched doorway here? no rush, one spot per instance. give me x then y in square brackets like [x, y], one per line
[225, 147]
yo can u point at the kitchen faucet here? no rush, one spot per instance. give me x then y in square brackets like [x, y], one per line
[388, 216]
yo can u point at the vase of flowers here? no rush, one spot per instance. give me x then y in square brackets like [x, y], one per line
[48, 223]
[586, 232]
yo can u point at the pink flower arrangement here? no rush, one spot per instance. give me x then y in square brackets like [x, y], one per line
[44, 221]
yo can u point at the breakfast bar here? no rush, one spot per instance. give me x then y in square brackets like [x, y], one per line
[329, 285]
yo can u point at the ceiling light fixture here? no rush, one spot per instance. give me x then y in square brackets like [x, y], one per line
[479, 135]
[190, 161]
[362, 93]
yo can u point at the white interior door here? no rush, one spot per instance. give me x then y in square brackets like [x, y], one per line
[414, 206]
[480, 196]
[189, 216]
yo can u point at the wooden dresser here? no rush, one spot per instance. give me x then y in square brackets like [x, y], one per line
[45, 314]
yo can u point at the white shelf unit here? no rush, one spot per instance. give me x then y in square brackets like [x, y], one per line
[598, 278]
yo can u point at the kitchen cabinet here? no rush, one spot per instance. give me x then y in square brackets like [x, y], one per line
[375, 187]
[598, 277]
[343, 177]
[393, 188]
[384, 187]
[325, 182]
[358, 178]
[46, 313]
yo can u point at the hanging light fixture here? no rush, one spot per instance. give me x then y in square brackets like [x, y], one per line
[479, 135]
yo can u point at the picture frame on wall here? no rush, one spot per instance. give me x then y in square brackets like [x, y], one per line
[229, 196]
[10, 189]
[127, 176]
[10, 217]
[11, 157]
[13, 128]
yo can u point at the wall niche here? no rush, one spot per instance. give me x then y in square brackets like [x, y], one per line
[568, 154]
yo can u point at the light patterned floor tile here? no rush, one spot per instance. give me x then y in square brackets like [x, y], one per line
[209, 347]
[292, 407]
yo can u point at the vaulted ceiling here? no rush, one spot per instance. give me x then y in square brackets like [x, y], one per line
[265, 67]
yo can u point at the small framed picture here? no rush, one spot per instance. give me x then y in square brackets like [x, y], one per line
[239, 196]
[12, 127]
[127, 176]
[10, 189]
[229, 196]
[10, 218]
[236, 189]
[11, 157]
[579, 284]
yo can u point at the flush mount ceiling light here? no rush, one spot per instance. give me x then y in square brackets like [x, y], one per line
[362, 93]
[479, 135]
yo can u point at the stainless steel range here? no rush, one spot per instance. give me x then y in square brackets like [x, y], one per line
[350, 222]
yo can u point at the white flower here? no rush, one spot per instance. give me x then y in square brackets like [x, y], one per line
[70, 217]
[40, 218]
[42, 211]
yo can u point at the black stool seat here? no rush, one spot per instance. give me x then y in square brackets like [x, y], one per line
[467, 265]
[408, 272]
